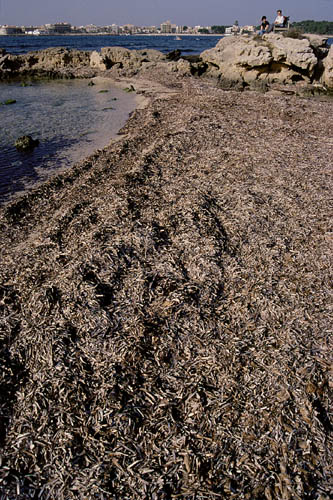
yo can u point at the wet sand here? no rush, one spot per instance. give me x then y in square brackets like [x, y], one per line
[165, 307]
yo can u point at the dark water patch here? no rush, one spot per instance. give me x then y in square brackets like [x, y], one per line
[20, 169]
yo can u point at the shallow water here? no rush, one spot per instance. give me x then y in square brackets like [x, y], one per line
[69, 118]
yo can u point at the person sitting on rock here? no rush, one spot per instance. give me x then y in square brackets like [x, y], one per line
[278, 23]
[264, 25]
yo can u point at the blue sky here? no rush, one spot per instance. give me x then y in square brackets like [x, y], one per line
[153, 12]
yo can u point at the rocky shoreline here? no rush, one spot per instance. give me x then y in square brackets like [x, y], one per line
[165, 322]
[304, 63]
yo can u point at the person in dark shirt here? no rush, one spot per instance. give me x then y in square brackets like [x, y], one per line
[264, 25]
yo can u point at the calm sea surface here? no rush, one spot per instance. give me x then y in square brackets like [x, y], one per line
[70, 119]
[187, 44]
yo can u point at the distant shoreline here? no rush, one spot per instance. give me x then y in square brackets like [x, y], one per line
[134, 35]
[113, 34]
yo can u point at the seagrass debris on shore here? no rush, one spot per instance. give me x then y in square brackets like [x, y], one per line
[165, 323]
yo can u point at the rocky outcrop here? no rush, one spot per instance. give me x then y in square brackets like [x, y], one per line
[272, 58]
[124, 59]
[61, 62]
[51, 62]
[236, 61]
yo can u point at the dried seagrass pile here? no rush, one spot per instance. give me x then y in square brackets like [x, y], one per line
[164, 308]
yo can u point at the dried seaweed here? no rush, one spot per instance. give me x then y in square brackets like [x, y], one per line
[165, 323]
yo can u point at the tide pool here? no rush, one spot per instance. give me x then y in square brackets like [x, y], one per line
[71, 119]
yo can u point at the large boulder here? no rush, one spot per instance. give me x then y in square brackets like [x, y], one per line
[233, 57]
[273, 58]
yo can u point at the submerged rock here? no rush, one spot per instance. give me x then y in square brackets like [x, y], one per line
[9, 101]
[26, 143]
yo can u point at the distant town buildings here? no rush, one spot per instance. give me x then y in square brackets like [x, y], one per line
[10, 30]
[58, 28]
[166, 28]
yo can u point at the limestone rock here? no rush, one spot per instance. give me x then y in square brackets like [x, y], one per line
[9, 64]
[292, 52]
[129, 59]
[316, 41]
[182, 67]
[327, 78]
[233, 58]
[232, 54]
[56, 58]
[273, 58]
[53, 62]
[96, 61]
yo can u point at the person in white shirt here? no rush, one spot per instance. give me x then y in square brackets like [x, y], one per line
[279, 21]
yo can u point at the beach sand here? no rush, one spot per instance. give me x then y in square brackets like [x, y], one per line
[165, 321]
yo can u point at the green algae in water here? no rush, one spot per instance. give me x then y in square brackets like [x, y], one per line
[9, 101]
[129, 89]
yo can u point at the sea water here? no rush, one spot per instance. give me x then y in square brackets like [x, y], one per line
[69, 118]
[195, 44]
